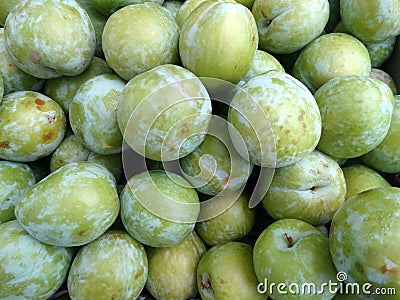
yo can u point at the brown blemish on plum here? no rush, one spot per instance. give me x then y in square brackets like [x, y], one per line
[5, 144]
[81, 232]
[301, 116]
[36, 56]
[389, 271]
[206, 285]
[359, 267]
[48, 136]
[39, 101]
[138, 274]
[51, 119]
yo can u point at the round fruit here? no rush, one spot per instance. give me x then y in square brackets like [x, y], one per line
[70, 207]
[207, 32]
[355, 112]
[277, 117]
[139, 37]
[30, 269]
[32, 127]
[164, 113]
[159, 209]
[93, 114]
[114, 266]
[54, 38]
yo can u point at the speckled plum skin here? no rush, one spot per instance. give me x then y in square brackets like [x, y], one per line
[371, 21]
[159, 209]
[385, 157]
[356, 112]
[30, 269]
[164, 113]
[311, 190]
[139, 37]
[360, 178]
[172, 270]
[381, 52]
[281, 24]
[32, 127]
[15, 179]
[293, 251]
[364, 238]
[50, 38]
[331, 55]
[205, 35]
[93, 114]
[277, 117]
[114, 266]
[72, 206]
[226, 271]
[14, 79]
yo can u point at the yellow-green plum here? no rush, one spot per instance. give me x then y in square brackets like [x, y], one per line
[69, 150]
[385, 157]
[15, 179]
[164, 113]
[364, 238]
[53, 38]
[261, 63]
[360, 178]
[72, 206]
[93, 114]
[206, 33]
[108, 7]
[293, 252]
[186, 9]
[281, 26]
[114, 266]
[30, 269]
[63, 89]
[32, 127]
[5, 7]
[226, 272]
[311, 190]
[356, 112]
[277, 117]
[159, 208]
[231, 219]
[372, 21]
[331, 55]
[172, 270]
[139, 37]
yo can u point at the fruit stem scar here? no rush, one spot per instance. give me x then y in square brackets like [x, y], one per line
[289, 240]
[206, 285]
[267, 21]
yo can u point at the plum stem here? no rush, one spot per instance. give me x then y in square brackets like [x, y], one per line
[289, 240]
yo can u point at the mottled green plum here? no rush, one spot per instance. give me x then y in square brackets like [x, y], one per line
[277, 117]
[281, 24]
[293, 251]
[311, 190]
[72, 206]
[381, 52]
[164, 113]
[364, 238]
[64, 88]
[159, 208]
[372, 21]
[32, 127]
[93, 114]
[114, 266]
[356, 112]
[186, 9]
[360, 178]
[5, 7]
[231, 221]
[54, 38]
[30, 269]
[15, 179]
[69, 150]
[226, 272]
[206, 33]
[331, 55]
[385, 78]
[172, 270]
[173, 7]
[139, 37]
[385, 157]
